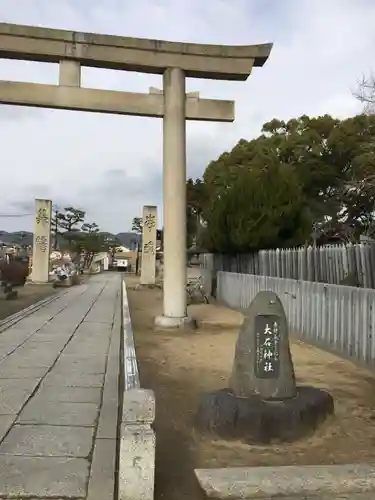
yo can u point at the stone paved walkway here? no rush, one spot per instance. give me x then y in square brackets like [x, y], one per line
[59, 396]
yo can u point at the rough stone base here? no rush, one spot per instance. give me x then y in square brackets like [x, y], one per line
[253, 420]
[166, 323]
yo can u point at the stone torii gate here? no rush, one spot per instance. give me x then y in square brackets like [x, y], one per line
[175, 61]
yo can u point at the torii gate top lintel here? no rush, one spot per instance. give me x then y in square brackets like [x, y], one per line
[175, 61]
[216, 62]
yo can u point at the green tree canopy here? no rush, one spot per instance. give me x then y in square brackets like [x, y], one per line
[67, 224]
[137, 225]
[312, 172]
[259, 210]
[195, 200]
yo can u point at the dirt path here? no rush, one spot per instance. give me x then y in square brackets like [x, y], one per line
[180, 366]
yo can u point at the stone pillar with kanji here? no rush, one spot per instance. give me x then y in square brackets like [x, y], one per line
[148, 270]
[41, 242]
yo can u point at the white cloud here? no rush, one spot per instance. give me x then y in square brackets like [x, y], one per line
[112, 165]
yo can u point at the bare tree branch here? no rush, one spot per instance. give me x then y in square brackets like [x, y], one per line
[365, 93]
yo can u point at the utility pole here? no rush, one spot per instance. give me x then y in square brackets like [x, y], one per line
[138, 256]
[55, 226]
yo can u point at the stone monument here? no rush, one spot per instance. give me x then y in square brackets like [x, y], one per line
[263, 363]
[262, 402]
[41, 242]
[148, 270]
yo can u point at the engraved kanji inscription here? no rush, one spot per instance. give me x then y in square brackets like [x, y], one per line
[149, 248]
[41, 215]
[267, 352]
[42, 243]
[150, 221]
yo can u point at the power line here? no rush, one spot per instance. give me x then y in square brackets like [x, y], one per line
[4, 216]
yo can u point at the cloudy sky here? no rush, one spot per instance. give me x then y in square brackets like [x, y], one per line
[112, 165]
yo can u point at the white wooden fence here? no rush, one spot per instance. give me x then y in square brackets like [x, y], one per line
[338, 318]
[328, 264]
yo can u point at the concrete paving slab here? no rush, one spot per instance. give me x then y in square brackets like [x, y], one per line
[59, 327]
[32, 361]
[78, 369]
[69, 319]
[83, 357]
[99, 319]
[15, 335]
[96, 341]
[12, 400]
[57, 338]
[96, 352]
[93, 328]
[69, 394]
[27, 384]
[59, 413]
[53, 404]
[43, 477]
[5, 352]
[40, 316]
[41, 349]
[51, 329]
[8, 348]
[6, 422]
[97, 332]
[32, 354]
[93, 365]
[94, 344]
[48, 441]
[74, 380]
[18, 372]
[32, 324]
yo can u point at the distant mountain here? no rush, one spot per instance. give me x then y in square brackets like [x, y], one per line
[19, 237]
[128, 240]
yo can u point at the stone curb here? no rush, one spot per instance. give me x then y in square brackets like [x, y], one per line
[131, 376]
[312, 482]
[136, 474]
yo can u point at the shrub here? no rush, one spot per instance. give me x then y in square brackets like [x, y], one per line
[14, 272]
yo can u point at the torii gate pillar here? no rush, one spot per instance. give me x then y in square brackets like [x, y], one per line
[174, 200]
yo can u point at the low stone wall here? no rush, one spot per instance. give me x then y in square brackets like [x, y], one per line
[137, 438]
